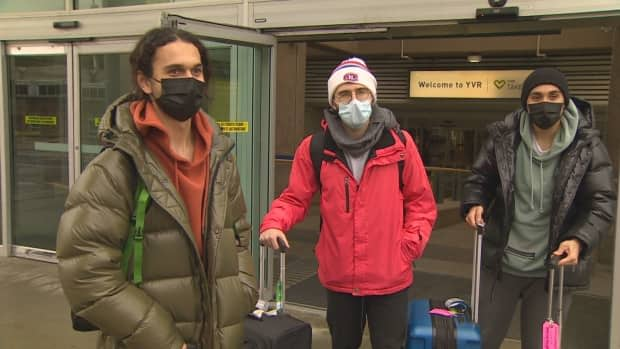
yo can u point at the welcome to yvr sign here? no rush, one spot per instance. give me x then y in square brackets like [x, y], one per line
[467, 83]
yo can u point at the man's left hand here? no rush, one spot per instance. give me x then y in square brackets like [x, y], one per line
[571, 248]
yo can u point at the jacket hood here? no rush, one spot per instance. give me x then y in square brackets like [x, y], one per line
[117, 126]
[380, 119]
[585, 126]
[565, 135]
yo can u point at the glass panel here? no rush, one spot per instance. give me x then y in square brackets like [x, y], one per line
[218, 103]
[40, 175]
[239, 91]
[82, 4]
[31, 5]
[103, 78]
[237, 79]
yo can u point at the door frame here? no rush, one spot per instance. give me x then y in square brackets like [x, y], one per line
[28, 49]
[5, 217]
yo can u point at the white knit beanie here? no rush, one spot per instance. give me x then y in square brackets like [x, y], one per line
[353, 70]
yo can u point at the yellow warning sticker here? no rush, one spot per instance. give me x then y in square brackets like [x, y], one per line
[96, 121]
[234, 126]
[40, 120]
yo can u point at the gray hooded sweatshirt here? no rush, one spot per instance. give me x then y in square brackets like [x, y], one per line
[528, 241]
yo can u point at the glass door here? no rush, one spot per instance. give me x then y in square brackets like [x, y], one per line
[57, 94]
[103, 74]
[38, 117]
[240, 100]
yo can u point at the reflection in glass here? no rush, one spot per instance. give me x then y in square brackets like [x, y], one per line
[103, 79]
[31, 5]
[40, 175]
[218, 102]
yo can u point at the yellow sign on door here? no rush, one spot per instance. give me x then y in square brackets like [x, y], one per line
[234, 126]
[40, 120]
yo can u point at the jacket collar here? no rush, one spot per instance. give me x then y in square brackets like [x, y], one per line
[510, 124]
[117, 129]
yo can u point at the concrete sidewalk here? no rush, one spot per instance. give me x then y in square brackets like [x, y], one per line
[35, 314]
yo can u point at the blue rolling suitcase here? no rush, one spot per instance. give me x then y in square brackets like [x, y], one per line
[426, 331]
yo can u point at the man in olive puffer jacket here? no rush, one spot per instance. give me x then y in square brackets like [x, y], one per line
[198, 276]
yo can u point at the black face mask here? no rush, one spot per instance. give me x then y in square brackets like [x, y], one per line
[545, 114]
[180, 98]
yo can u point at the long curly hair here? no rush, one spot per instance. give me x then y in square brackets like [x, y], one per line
[141, 58]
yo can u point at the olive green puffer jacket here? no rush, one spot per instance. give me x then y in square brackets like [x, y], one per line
[184, 298]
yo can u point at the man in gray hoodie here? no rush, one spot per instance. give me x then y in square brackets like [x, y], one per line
[543, 186]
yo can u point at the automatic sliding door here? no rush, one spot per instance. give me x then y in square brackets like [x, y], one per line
[38, 141]
[104, 75]
[241, 100]
[53, 129]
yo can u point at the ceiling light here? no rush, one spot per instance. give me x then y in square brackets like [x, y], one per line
[474, 58]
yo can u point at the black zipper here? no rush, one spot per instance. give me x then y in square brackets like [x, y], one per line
[346, 193]
[523, 254]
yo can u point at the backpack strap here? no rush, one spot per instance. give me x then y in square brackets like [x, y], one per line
[317, 143]
[136, 235]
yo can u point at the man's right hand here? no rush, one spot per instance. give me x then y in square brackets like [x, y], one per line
[474, 216]
[184, 346]
[271, 236]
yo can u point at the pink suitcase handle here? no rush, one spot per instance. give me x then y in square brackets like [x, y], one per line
[551, 331]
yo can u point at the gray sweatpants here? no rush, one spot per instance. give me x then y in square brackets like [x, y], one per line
[499, 300]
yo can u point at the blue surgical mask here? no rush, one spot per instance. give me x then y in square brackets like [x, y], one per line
[355, 114]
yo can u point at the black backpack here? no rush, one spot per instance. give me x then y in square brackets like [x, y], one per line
[317, 144]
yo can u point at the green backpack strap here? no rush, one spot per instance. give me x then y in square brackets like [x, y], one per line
[136, 234]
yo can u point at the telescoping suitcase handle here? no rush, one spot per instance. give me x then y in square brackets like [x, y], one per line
[280, 296]
[475, 280]
[554, 261]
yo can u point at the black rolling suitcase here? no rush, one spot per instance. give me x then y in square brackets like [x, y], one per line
[281, 331]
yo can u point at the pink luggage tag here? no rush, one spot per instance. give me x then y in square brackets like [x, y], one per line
[550, 333]
[441, 312]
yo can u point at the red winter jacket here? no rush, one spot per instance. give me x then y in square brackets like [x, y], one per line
[372, 231]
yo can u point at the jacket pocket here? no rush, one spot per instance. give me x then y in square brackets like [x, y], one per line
[519, 253]
[403, 252]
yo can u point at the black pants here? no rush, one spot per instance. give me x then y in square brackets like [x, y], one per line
[499, 300]
[387, 319]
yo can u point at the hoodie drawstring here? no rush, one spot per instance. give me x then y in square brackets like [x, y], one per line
[531, 179]
[541, 186]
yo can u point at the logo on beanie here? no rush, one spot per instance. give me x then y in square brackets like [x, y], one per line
[350, 77]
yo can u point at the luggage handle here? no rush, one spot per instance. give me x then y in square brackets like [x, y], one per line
[554, 263]
[477, 263]
[281, 285]
[262, 303]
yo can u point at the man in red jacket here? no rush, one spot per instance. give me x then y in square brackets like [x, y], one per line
[376, 205]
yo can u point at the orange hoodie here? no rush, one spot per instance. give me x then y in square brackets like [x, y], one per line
[190, 177]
